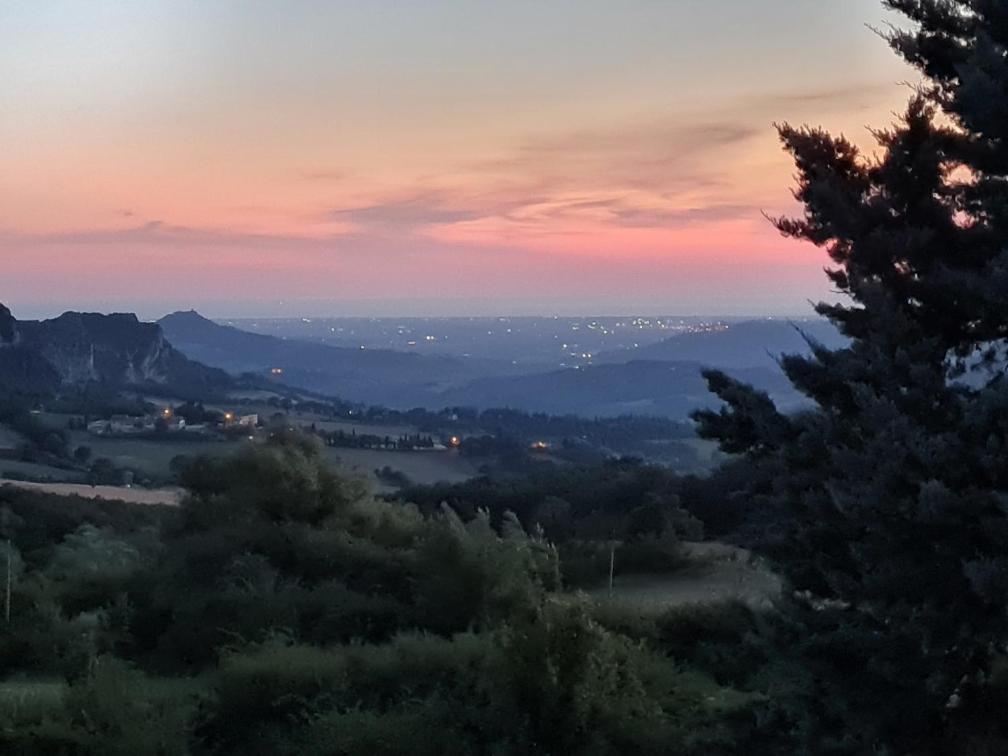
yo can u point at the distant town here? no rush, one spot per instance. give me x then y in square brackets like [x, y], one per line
[555, 341]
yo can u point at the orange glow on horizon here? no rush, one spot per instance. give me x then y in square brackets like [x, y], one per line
[222, 159]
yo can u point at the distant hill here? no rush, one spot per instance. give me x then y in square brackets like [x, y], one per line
[119, 351]
[751, 343]
[671, 389]
[115, 351]
[663, 378]
[376, 376]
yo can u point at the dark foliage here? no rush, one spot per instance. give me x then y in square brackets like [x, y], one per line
[892, 491]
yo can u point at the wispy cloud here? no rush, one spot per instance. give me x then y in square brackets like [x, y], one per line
[406, 213]
[650, 178]
[840, 96]
[158, 233]
[665, 154]
[658, 173]
[327, 174]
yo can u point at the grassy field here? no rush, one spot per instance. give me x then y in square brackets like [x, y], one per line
[38, 472]
[9, 439]
[149, 457]
[53, 419]
[717, 572]
[27, 700]
[428, 466]
[253, 395]
[301, 419]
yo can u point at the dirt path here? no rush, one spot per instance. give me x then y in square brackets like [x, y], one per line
[168, 496]
[717, 572]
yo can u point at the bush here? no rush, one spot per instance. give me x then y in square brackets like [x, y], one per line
[286, 480]
[554, 682]
[112, 710]
[122, 711]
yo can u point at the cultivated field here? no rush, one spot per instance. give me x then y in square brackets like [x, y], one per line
[166, 496]
[150, 458]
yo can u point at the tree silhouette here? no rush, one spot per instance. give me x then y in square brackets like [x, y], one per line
[892, 492]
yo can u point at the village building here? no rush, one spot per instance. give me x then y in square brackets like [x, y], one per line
[232, 420]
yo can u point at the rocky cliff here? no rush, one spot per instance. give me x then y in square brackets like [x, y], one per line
[8, 328]
[116, 351]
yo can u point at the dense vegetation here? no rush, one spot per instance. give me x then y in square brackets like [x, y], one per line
[280, 610]
[639, 512]
[40, 441]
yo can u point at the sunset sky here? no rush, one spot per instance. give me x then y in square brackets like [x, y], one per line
[343, 158]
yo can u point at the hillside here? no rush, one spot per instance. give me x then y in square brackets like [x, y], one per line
[672, 389]
[115, 351]
[751, 343]
[378, 376]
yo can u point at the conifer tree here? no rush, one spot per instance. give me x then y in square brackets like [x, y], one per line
[894, 488]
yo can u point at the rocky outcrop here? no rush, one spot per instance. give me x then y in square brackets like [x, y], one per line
[116, 351]
[8, 328]
[22, 369]
[112, 349]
